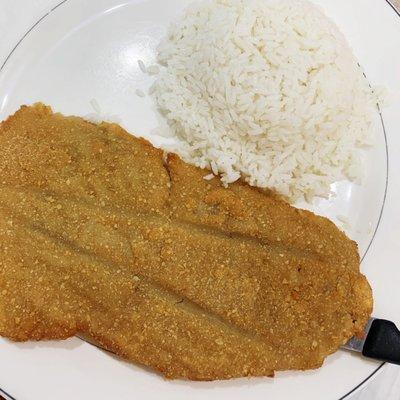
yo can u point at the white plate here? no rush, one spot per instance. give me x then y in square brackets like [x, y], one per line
[86, 49]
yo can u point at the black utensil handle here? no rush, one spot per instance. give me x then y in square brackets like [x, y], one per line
[383, 342]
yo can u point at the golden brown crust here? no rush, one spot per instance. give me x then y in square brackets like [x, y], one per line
[100, 237]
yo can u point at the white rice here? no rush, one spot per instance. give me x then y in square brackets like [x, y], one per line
[140, 93]
[209, 177]
[268, 90]
[153, 69]
[95, 105]
[98, 116]
[142, 66]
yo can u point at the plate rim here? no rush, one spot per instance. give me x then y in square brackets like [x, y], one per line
[6, 395]
[379, 368]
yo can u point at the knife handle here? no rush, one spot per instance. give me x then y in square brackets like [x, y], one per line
[383, 342]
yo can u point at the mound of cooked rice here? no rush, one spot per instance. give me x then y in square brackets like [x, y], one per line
[268, 90]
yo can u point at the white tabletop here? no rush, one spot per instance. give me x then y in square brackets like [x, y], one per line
[17, 16]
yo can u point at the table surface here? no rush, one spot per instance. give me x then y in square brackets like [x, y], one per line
[13, 24]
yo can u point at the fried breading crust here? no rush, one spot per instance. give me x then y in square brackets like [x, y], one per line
[102, 237]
